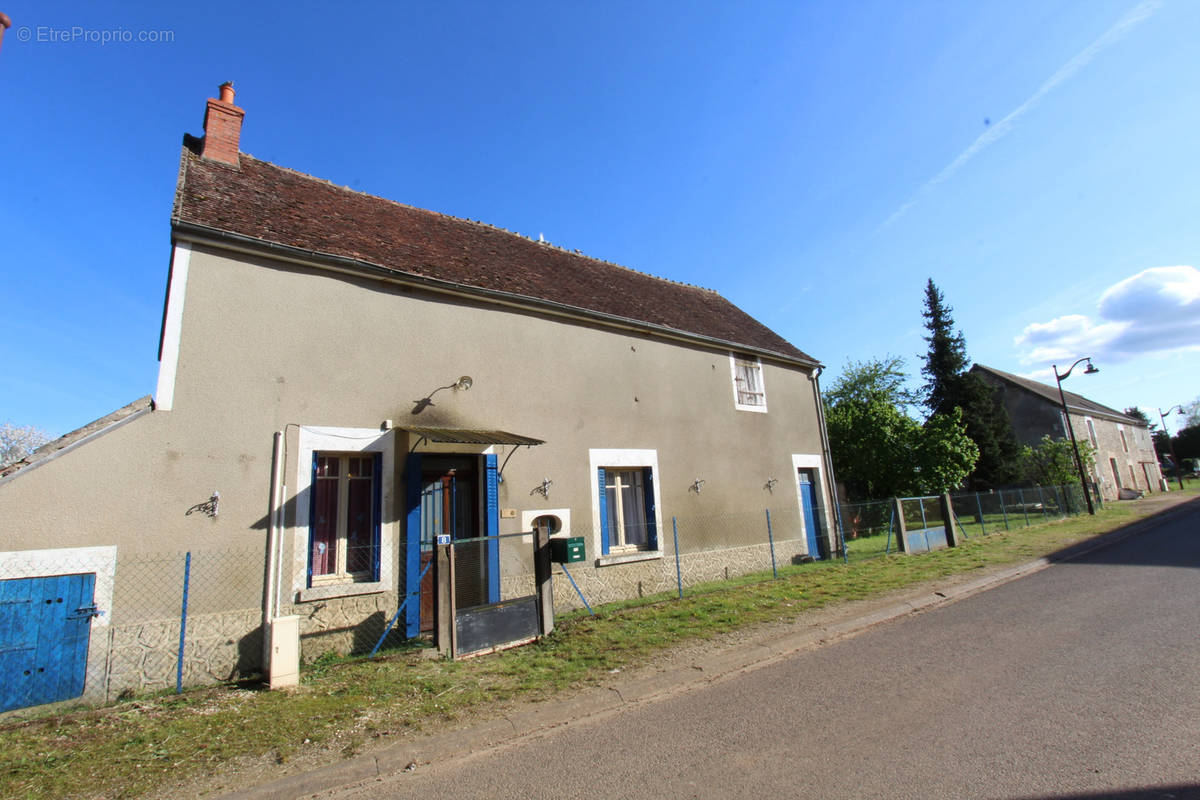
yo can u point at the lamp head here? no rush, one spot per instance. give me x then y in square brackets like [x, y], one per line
[1092, 369]
[464, 383]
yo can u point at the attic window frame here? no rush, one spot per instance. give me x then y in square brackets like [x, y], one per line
[753, 366]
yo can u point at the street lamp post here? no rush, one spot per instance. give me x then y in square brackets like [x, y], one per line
[1091, 370]
[1178, 467]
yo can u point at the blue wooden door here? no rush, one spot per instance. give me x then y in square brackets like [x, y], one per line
[45, 625]
[808, 501]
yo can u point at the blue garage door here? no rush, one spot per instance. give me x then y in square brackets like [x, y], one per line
[45, 625]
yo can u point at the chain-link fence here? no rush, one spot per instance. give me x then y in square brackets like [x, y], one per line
[89, 624]
[871, 528]
[688, 551]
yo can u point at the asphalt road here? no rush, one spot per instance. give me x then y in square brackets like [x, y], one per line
[1082, 680]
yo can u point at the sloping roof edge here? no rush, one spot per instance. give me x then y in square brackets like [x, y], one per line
[77, 438]
[1075, 403]
[203, 234]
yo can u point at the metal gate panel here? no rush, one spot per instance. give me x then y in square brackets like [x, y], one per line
[45, 627]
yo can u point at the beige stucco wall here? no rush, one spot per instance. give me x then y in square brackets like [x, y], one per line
[267, 346]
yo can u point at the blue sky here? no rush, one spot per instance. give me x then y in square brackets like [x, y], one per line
[815, 162]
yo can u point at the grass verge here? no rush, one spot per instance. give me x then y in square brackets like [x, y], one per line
[134, 748]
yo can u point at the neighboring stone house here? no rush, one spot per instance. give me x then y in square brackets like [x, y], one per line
[1124, 452]
[350, 378]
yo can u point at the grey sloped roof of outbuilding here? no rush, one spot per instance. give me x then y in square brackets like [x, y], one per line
[263, 203]
[1075, 402]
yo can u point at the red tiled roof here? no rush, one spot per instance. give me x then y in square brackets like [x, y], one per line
[284, 207]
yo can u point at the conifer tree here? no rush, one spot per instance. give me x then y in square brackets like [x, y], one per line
[949, 385]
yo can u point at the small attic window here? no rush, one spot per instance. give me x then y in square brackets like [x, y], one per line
[749, 392]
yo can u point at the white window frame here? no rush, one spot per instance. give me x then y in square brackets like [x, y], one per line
[1124, 439]
[753, 363]
[1091, 429]
[340, 573]
[343, 441]
[817, 465]
[624, 459]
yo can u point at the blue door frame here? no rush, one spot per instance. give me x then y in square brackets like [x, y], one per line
[45, 627]
[489, 526]
[812, 519]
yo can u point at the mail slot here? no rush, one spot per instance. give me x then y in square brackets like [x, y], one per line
[567, 550]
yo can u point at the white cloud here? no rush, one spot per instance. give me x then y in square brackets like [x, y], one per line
[1156, 311]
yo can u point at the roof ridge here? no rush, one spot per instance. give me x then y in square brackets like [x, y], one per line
[480, 223]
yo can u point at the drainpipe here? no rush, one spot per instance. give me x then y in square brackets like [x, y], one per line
[270, 604]
[833, 493]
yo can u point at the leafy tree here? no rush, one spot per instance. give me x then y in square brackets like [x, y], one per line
[1052, 462]
[16, 442]
[1192, 412]
[948, 386]
[1187, 442]
[880, 451]
[945, 453]
[1137, 413]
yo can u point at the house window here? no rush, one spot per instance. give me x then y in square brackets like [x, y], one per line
[1092, 432]
[1124, 442]
[749, 393]
[344, 527]
[625, 505]
[628, 517]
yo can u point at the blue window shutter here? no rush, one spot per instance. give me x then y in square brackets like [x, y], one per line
[312, 515]
[412, 545]
[603, 513]
[651, 517]
[493, 527]
[377, 511]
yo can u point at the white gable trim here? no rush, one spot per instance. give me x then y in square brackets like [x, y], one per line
[168, 355]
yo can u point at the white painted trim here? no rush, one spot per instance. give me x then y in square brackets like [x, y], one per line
[168, 360]
[563, 514]
[343, 440]
[733, 359]
[814, 462]
[68, 561]
[598, 458]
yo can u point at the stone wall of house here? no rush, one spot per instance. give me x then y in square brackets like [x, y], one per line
[1127, 461]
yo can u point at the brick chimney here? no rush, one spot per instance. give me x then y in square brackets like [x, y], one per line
[222, 127]
[5, 24]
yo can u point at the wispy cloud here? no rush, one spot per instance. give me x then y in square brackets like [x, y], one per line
[998, 131]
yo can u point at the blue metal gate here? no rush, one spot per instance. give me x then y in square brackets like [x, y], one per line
[812, 523]
[45, 625]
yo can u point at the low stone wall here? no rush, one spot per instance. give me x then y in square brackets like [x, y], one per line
[143, 657]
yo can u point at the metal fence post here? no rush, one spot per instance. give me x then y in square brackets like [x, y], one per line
[1024, 510]
[1042, 500]
[1003, 510]
[187, 577]
[979, 506]
[678, 573]
[771, 542]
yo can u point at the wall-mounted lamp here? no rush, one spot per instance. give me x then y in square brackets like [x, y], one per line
[464, 383]
[543, 490]
[695, 487]
[770, 485]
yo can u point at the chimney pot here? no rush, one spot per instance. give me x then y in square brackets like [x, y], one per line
[222, 127]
